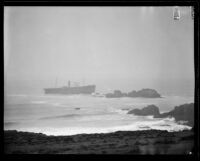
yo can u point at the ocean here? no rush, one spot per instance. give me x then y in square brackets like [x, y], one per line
[78, 114]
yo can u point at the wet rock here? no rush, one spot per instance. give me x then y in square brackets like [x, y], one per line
[146, 93]
[183, 112]
[149, 110]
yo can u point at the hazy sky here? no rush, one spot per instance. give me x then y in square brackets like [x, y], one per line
[113, 47]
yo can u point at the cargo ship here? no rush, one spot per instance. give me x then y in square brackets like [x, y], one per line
[68, 90]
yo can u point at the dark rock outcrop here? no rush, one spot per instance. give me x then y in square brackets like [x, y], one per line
[116, 94]
[149, 110]
[133, 94]
[183, 112]
[146, 93]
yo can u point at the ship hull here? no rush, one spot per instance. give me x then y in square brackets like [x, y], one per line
[71, 90]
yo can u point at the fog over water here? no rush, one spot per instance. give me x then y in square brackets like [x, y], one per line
[122, 48]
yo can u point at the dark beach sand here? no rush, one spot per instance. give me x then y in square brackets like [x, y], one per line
[121, 142]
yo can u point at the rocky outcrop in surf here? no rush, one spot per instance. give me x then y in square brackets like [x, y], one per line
[146, 93]
[116, 94]
[183, 112]
[149, 110]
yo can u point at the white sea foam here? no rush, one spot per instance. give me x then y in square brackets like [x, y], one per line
[91, 130]
[58, 104]
[150, 117]
[168, 124]
[96, 115]
[119, 111]
[38, 102]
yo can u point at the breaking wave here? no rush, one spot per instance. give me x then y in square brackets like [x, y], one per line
[60, 116]
[69, 115]
[38, 102]
[92, 130]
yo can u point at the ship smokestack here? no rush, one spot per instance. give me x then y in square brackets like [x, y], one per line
[68, 83]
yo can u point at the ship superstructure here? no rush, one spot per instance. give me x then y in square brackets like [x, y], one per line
[88, 89]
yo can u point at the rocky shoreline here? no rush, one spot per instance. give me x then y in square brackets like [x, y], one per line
[121, 142]
[183, 112]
